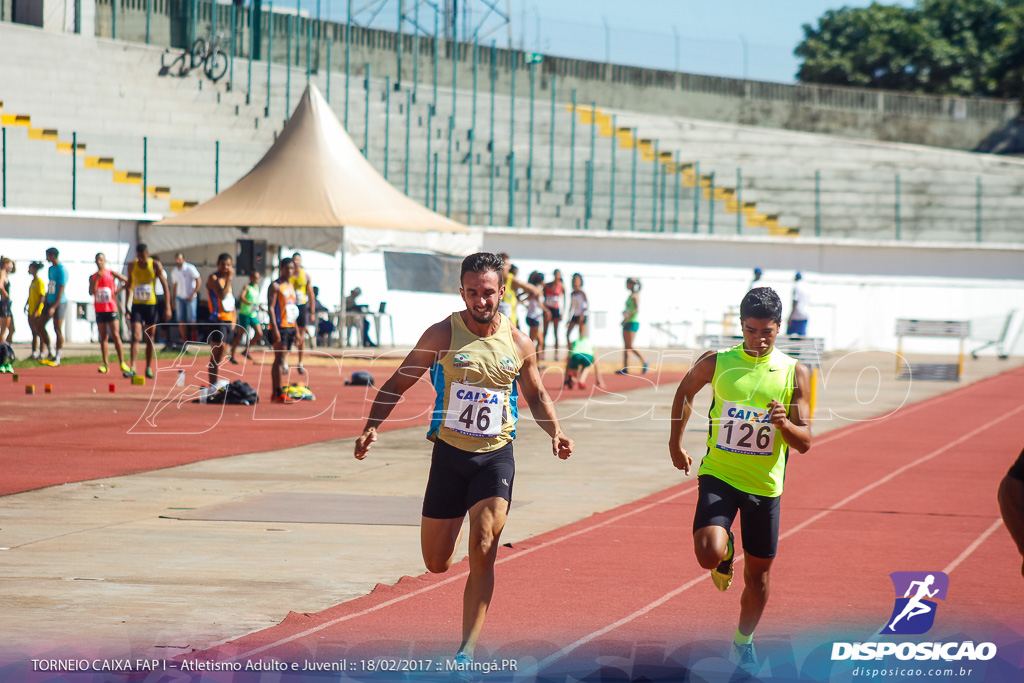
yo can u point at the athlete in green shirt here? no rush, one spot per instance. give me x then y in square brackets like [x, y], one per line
[248, 318]
[757, 414]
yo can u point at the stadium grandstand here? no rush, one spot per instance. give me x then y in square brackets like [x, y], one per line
[131, 121]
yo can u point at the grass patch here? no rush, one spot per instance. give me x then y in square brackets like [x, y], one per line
[95, 359]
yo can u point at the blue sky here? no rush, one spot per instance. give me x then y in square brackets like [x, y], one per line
[753, 38]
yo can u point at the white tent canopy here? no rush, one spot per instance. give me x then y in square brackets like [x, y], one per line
[314, 190]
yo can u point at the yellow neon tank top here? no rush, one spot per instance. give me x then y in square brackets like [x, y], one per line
[299, 282]
[745, 450]
[507, 306]
[143, 282]
[476, 406]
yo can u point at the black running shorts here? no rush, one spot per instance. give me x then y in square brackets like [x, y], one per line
[718, 503]
[219, 332]
[106, 316]
[287, 336]
[459, 479]
[145, 314]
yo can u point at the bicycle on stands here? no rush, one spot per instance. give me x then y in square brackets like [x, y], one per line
[207, 53]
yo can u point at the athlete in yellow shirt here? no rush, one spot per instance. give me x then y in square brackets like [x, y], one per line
[758, 414]
[476, 360]
[145, 314]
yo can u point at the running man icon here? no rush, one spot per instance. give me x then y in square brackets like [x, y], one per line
[916, 606]
[917, 595]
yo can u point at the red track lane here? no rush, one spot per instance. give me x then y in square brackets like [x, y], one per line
[911, 492]
[82, 431]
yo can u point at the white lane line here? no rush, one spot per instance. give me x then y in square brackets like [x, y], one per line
[693, 582]
[973, 546]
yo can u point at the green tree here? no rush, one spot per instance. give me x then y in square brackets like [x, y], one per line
[947, 47]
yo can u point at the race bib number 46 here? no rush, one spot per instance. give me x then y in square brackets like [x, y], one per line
[744, 429]
[474, 411]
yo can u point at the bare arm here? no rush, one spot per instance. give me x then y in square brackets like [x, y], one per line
[434, 341]
[1011, 505]
[793, 425]
[701, 374]
[93, 279]
[272, 292]
[541, 405]
[129, 300]
[163, 281]
[526, 287]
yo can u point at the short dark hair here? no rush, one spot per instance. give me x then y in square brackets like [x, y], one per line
[286, 261]
[52, 250]
[761, 303]
[481, 262]
[141, 247]
[223, 257]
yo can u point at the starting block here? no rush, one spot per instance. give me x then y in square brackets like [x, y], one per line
[139, 380]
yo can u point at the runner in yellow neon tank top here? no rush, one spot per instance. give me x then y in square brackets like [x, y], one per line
[759, 411]
[476, 361]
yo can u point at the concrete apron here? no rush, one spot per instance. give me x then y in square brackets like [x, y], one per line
[94, 568]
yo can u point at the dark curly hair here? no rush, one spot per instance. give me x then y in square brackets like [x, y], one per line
[761, 303]
[482, 262]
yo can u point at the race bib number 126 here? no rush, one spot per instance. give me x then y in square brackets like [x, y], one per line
[744, 429]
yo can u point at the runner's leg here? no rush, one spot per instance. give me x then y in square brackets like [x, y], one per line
[486, 521]
[755, 592]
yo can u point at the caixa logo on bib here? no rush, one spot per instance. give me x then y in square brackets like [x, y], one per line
[916, 604]
[917, 596]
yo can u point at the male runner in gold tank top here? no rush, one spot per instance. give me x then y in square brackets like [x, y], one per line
[477, 361]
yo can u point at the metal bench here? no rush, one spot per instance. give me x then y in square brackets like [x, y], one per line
[935, 372]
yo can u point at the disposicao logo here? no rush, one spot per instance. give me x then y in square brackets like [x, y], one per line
[917, 596]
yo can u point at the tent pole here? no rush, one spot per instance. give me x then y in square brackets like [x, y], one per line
[344, 313]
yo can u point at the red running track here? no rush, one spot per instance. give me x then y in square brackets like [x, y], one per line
[914, 491]
[81, 431]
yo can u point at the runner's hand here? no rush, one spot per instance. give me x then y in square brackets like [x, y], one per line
[680, 458]
[777, 412]
[561, 445]
[365, 442]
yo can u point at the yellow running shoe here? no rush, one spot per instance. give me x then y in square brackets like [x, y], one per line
[125, 368]
[721, 575]
[102, 369]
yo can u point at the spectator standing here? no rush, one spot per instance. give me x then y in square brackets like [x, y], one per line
[34, 309]
[536, 315]
[303, 285]
[247, 317]
[185, 285]
[513, 286]
[554, 298]
[7, 268]
[146, 272]
[578, 306]
[56, 305]
[797, 323]
[104, 289]
[630, 325]
[756, 282]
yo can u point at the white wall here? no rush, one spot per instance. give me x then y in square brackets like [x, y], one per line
[26, 235]
[857, 290]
